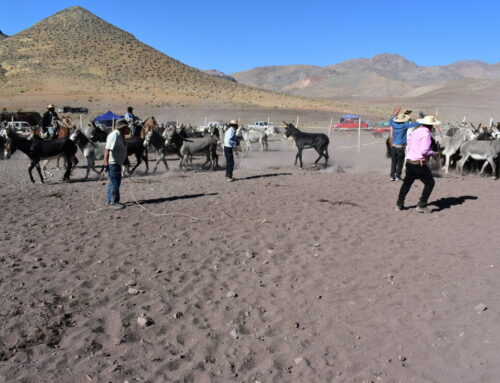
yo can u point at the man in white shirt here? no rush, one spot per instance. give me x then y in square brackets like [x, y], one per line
[230, 142]
[115, 154]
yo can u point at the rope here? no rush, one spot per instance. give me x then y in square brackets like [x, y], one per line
[260, 220]
[134, 199]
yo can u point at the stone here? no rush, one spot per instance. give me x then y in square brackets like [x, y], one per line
[480, 307]
[144, 322]
[231, 294]
[402, 358]
[133, 291]
[298, 360]
[249, 254]
[131, 283]
[178, 315]
[234, 333]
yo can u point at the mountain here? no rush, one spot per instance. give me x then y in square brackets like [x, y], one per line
[382, 76]
[217, 73]
[3, 35]
[77, 53]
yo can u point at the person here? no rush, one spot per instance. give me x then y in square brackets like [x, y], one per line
[419, 151]
[400, 124]
[115, 154]
[230, 142]
[48, 119]
[132, 119]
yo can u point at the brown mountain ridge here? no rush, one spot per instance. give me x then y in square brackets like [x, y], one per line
[77, 53]
[382, 76]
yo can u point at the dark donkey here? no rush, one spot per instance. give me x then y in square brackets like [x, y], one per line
[135, 145]
[38, 149]
[318, 141]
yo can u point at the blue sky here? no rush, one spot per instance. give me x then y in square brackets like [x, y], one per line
[238, 35]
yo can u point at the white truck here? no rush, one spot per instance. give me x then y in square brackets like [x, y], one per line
[20, 126]
[261, 125]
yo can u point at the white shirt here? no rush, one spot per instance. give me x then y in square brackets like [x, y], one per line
[230, 139]
[117, 148]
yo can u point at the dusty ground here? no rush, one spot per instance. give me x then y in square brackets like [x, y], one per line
[286, 275]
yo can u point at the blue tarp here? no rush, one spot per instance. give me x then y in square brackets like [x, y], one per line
[107, 118]
[348, 117]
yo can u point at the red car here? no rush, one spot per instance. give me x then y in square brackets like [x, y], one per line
[381, 129]
[350, 122]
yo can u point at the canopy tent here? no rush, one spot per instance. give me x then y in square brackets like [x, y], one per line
[349, 117]
[107, 118]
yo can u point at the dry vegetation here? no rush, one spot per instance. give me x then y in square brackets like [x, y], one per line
[76, 53]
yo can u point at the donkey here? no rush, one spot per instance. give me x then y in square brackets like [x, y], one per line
[91, 150]
[252, 136]
[487, 151]
[135, 145]
[318, 141]
[38, 149]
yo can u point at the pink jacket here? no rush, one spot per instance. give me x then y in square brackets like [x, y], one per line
[419, 143]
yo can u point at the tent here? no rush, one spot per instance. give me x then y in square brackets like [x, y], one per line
[107, 118]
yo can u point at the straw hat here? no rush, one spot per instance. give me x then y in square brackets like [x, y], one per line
[50, 106]
[121, 123]
[429, 120]
[403, 117]
[233, 123]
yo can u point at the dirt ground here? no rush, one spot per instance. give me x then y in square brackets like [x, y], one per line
[285, 275]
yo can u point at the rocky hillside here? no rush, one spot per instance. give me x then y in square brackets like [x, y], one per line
[3, 35]
[218, 73]
[77, 53]
[382, 76]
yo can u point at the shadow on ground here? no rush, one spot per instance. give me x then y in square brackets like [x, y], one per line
[173, 198]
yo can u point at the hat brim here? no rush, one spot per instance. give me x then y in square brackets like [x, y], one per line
[406, 119]
[424, 122]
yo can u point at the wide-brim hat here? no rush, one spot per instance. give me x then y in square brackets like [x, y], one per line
[121, 123]
[233, 123]
[50, 106]
[428, 120]
[402, 117]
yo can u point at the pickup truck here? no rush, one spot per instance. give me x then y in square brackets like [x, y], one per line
[261, 125]
[20, 126]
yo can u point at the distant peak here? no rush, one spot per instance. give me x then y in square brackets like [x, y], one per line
[468, 63]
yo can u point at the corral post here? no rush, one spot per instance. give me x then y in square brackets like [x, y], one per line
[297, 125]
[205, 122]
[81, 122]
[330, 127]
[268, 121]
[359, 135]
[436, 111]
[491, 122]
[113, 123]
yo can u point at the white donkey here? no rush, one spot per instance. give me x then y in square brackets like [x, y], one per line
[252, 136]
[487, 151]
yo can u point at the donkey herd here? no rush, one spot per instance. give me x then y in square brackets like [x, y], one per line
[457, 145]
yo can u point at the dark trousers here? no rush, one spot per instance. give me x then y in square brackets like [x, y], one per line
[417, 172]
[115, 179]
[228, 153]
[397, 161]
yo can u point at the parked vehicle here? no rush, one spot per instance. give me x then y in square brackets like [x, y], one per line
[69, 109]
[20, 126]
[262, 125]
[351, 122]
[381, 129]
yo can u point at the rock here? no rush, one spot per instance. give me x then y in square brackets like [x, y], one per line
[234, 333]
[402, 358]
[144, 322]
[231, 294]
[317, 244]
[480, 307]
[298, 360]
[249, 254]
[133, 291]
[131, 283]
[178, 315]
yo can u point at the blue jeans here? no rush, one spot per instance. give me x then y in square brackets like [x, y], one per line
[115, 179]
[228, 153]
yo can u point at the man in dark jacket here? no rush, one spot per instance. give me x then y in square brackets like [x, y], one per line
[48, 119]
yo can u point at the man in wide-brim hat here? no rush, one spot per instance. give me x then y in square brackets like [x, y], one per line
[400, 123]
[230, 142]
[418, 153]
[48, 119]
